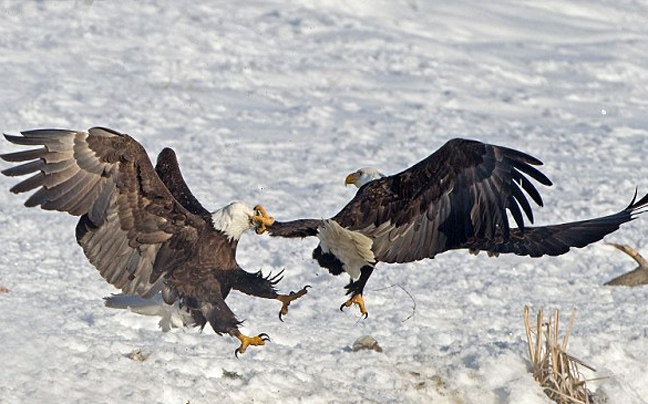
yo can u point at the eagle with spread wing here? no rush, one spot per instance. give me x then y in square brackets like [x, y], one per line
[456, 198]
[141, 226]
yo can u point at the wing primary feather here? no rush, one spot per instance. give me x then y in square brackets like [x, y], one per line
[515, 211]
[527, 186]
[532, 171]
[30, 183]
[518, 196]
[69, 198]
[520, 156]
[24, 141]
[24, 155]
[24, 169]
[49, 134]
[49, 198]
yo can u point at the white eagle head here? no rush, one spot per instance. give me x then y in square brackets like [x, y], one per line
[363, 176]
[234, 219]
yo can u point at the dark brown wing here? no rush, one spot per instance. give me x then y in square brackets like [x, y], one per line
[131, 228]
[295, 228]
[168, 170]
[558, 239]
[460, 192]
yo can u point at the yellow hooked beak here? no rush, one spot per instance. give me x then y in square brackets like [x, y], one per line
[351, 179]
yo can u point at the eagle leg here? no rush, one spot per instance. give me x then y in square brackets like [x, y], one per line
[249, 341]
[261, 219]
[264, 287]
[287, 299]
[355, 288]
[223, 321]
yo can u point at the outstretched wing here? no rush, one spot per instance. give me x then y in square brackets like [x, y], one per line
[558, 239]
[168, 170]
[461, 191]
[131, 228]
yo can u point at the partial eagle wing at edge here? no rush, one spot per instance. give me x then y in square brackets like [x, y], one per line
[461, 191]
[558, 239]
[131, 228]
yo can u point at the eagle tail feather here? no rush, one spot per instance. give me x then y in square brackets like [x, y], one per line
[172, 316]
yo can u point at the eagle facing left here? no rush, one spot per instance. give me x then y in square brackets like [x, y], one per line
[141, 227]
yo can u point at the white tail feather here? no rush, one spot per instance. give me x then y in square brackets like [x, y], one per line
[173, 316]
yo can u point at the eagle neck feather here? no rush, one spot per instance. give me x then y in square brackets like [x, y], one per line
[233, 220]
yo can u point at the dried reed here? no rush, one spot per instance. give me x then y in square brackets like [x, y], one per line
[555, 370]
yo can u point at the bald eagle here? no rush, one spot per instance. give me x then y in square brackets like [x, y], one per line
[141, 226]
[456, 198]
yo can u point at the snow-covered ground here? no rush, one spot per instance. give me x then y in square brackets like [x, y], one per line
[275, 102]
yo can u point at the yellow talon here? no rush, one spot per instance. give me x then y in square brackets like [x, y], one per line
[261, 219]
[250, 341]
[357, 299]
[261, 210]
[287, 299]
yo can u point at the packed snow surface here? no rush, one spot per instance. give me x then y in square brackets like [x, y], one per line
[275, 102]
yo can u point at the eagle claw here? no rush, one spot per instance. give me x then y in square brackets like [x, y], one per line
[357, 299]
[261, 219]
[248, 341]
[287, 299]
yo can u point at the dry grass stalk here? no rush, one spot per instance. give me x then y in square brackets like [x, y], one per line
[636, 277]
[553, 368]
